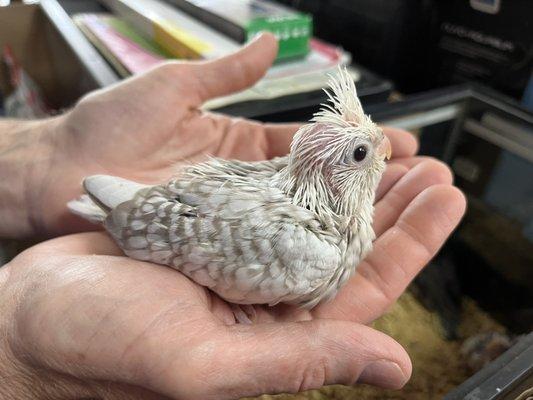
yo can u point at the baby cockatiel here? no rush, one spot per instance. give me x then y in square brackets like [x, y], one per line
[289, 230]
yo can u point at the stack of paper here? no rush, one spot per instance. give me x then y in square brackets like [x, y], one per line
[143, 33]
[175, 31]
[122, 46]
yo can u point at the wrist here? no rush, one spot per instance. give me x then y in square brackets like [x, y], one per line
[26, 158]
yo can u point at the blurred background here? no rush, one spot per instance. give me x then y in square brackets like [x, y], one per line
[457, 73]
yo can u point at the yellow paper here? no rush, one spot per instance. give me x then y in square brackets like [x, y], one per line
[179, 43]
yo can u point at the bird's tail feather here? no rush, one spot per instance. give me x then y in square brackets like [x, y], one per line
[87, 209]
[104, 193]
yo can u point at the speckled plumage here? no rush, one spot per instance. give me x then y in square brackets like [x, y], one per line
[291, 229]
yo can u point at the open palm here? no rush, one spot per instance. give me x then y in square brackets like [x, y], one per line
[118, 328]
[146, 127]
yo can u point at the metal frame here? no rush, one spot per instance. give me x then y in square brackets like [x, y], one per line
[506, 374]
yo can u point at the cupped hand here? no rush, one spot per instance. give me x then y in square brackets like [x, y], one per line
[83, 320]
[146, 127]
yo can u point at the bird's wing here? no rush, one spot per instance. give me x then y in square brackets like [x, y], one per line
[248, 244]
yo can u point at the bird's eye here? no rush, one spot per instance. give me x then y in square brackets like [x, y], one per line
[360, 153]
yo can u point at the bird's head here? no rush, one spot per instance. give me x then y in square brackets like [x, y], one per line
[336, 161]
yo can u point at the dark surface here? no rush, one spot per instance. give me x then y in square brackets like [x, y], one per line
[507, 377]
[217, 21]
[438, 288]
[489, 256]
[300, 107]
[80, 6]
[391, 37]
[425, 44]
[495, 49]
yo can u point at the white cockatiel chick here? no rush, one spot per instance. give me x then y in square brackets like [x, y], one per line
[289, 230]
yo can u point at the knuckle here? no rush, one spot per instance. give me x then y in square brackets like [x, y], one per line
[312, 376]
[414, 140]
[169, 76]
[441, 172]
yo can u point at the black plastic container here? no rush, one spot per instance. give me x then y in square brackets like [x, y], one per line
[489, 41]
[424, 44]
[391, 37]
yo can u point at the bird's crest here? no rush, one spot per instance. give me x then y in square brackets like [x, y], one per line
[344, 108]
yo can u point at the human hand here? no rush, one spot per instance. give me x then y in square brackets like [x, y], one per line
[144, 129]
[112, 327]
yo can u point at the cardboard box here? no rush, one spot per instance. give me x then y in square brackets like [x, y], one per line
[52, 51]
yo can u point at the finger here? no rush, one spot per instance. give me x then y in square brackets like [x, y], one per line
[410, 162]
[232, 73]
[279, 138]
[403, 143]
[393, 173]
[399, 255]
[427, 173]
[297, 356]
[402, 251]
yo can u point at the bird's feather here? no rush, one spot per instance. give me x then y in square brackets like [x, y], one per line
[291, 229]
[248, 245]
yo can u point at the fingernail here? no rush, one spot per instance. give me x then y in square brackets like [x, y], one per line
[386, 374]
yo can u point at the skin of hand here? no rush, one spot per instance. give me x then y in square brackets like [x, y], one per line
[81, 320]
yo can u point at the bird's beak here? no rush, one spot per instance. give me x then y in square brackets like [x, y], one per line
[385, 148]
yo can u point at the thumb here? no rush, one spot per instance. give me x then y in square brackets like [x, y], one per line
[292, 357]
[234, 72]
